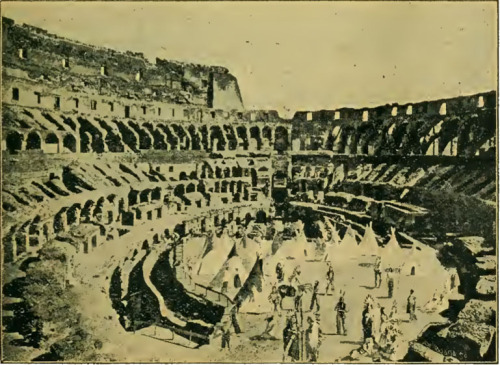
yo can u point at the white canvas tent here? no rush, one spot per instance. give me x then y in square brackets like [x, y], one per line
[369, 244]
[211, 263]
[392, 253]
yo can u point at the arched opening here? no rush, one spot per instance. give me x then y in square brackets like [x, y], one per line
[281, 139]
[183, 176]
[52, 143]
[195, 138]
[156, 194]
[242, 134]
[14, 142]
[260, 217]
[145, 196]
[412, 272]
[255, 134]
[33, 141]
[73, 214]
[69, 142]
[85, 141]
[217, 140]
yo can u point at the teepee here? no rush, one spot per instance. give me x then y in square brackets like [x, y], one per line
[348, 245]
[392, 252]
[369, 244]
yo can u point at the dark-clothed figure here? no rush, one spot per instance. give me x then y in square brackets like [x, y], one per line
[298, 303]
[226, 335]
[341, 311]
[411, 304]
[313, 340]
[367, 323]
[314, 298]
[291, 340]
[390, 285]
[279, 272]
[330, 275]
[378, 272]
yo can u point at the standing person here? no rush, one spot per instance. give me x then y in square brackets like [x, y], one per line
[394, 312]
[390, 284]
[367, 322]
[383, 322]
[294, 278]
[314, 298]
[291, 340]
[330, 275]
[378, 272]
[298, 302]
[226, 335]
[341, 311]
[279, 272]
[275, 298]
[313, 334]
[411, 304]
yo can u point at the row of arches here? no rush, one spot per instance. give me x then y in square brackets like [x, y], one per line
[121, 136]
[51, 143]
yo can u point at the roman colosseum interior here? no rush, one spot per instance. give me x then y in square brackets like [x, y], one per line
[145, 212]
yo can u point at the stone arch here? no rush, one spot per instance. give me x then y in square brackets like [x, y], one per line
[85, 141]
[195, 138]
[218, 172]
[241, 131]
[87, 210]
[33, 141]
[14, 141]
[267, 133]
[145, 196]
[73, 214]
[156, 193]
[52, 143]
[281, 139]
[233, 187]
[217, 140]
[255, 134]
[232, 141]
[260, 217]
[69, 142]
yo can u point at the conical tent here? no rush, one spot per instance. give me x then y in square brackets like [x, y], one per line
[335, 238]
[369, 243]
[392, 253]
[348, 245]
[215, 258]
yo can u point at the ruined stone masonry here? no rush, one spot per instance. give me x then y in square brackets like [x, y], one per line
[103, 148]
